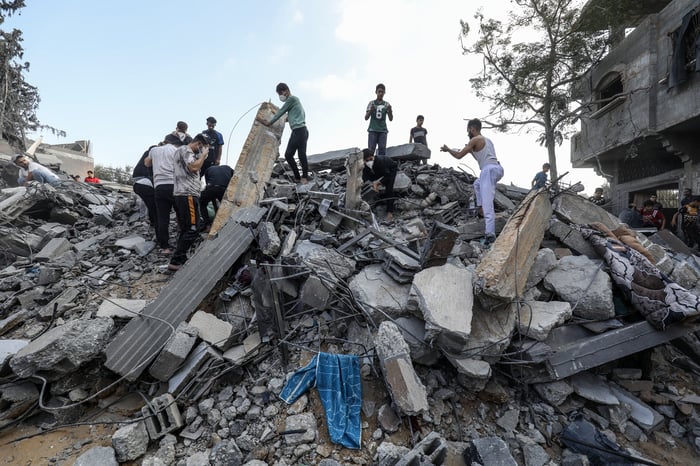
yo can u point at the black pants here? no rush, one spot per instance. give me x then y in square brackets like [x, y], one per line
[212, 193]
[388, 196]
[187, 208]
[297, 143]
[165, 202]
[148, 196]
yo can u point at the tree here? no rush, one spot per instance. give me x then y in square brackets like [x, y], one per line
[19, 100]
[529, 82]
[117, 175]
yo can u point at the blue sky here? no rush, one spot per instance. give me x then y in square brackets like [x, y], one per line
[121, 74]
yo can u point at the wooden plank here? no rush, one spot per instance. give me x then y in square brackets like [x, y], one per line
[593, 351]
[138, 343]
[503, 271]
[253, 169]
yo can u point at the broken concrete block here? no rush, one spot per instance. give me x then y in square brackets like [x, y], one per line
[201, 357]
[581, 282]
[53, 249]
[685, 275]
[642, 414]
[576, 209]
[135, 243]
[130, 442]
[268, 239]
[445, 298]
[60, 304]
[329, 260]
[489, 450]
[13, 320]
[491, 332]
[104, 456]
[554, 393]
[212, 330]
[472, 374]
[432, 449]
[22, 245]
[330, 222]
[63, 349]
[48, 275]
[407, 390]
[399, 265]
[594, 388]
[316, 292]
[15, 399]
[174, 353]
[162, 416]
[538, 318]
[240, 354]
[439, 245]
[402, 182]
[413, 331]
[379, 293]
[305, 424]
[572, 239]
[120, 308]
[544, 262]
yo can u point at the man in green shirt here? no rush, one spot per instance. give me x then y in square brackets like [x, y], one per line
[377, 112]
[300, 135]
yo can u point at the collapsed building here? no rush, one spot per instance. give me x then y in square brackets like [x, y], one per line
[640, 132]
[424, 347]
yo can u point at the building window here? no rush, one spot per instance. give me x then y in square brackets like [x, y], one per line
[686, 49]
[609, 94]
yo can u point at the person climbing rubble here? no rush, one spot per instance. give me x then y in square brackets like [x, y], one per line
[30, 170]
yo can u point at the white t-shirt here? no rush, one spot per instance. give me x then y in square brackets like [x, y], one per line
[37, 167]
[163, 158]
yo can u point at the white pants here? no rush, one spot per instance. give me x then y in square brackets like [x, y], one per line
[485, 190]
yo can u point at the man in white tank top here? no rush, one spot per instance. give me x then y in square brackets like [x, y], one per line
[483, 151]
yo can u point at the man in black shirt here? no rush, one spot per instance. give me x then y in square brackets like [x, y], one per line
[217, 178]
[381, 170]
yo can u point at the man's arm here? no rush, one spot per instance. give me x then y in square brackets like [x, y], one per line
[472, 145]
[370, 109]
[196, 164]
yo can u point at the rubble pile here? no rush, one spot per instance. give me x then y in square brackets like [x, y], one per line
[465, 354]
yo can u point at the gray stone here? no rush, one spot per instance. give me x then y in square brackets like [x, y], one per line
[63, 349]
[214, 331]
[402, 183]
[571, 238]
[226, 453]
[491, 332]
[577, 209]
[103, 456]
[491, 451]
[48, 275]
[387, 419]
[15, 399]
[509, 420]
[130, 442]
[413, 331]
[268, 239]
[569, 458]
[685, 275]
[585, 285]
[174, 353]
[329, 262]
[379, 293]
[538, 318]
[200, 458]
[53, 249]
[316, 292]
[544, 262]
[241, 353]
[408, 392]
[60, 304]
[535, 455]
[594, 388]
[472, 374]
[554, 393]
[120, 308]
[675, 429]
[642, 414]
[388, 454]
[303, 421]
[445, 297]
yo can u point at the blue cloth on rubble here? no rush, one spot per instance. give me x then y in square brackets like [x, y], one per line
[337, 378]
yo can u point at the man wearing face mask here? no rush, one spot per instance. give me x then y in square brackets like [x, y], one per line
[186, 191]
[381, 170]
[300, 135]
[483, 151]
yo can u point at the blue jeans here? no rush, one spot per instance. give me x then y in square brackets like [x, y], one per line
[375, 139]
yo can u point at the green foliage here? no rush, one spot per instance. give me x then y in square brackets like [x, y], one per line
[531, 63]
[117, 175]
[19, 100]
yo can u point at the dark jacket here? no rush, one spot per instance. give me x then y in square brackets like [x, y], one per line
[383, 167]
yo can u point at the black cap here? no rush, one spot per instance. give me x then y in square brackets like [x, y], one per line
[211, 120]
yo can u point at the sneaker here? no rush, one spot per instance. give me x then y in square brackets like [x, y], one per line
[174, 267]
[489, 239]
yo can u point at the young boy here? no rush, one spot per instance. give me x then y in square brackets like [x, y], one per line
[418, 133]
[300, 135]
[540, 179]
[378, 110]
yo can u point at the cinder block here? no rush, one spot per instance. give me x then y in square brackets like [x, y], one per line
[163, 416]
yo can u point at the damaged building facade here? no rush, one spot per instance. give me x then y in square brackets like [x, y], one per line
[641, 132]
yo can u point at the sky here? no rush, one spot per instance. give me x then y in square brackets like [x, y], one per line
[121, 74]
